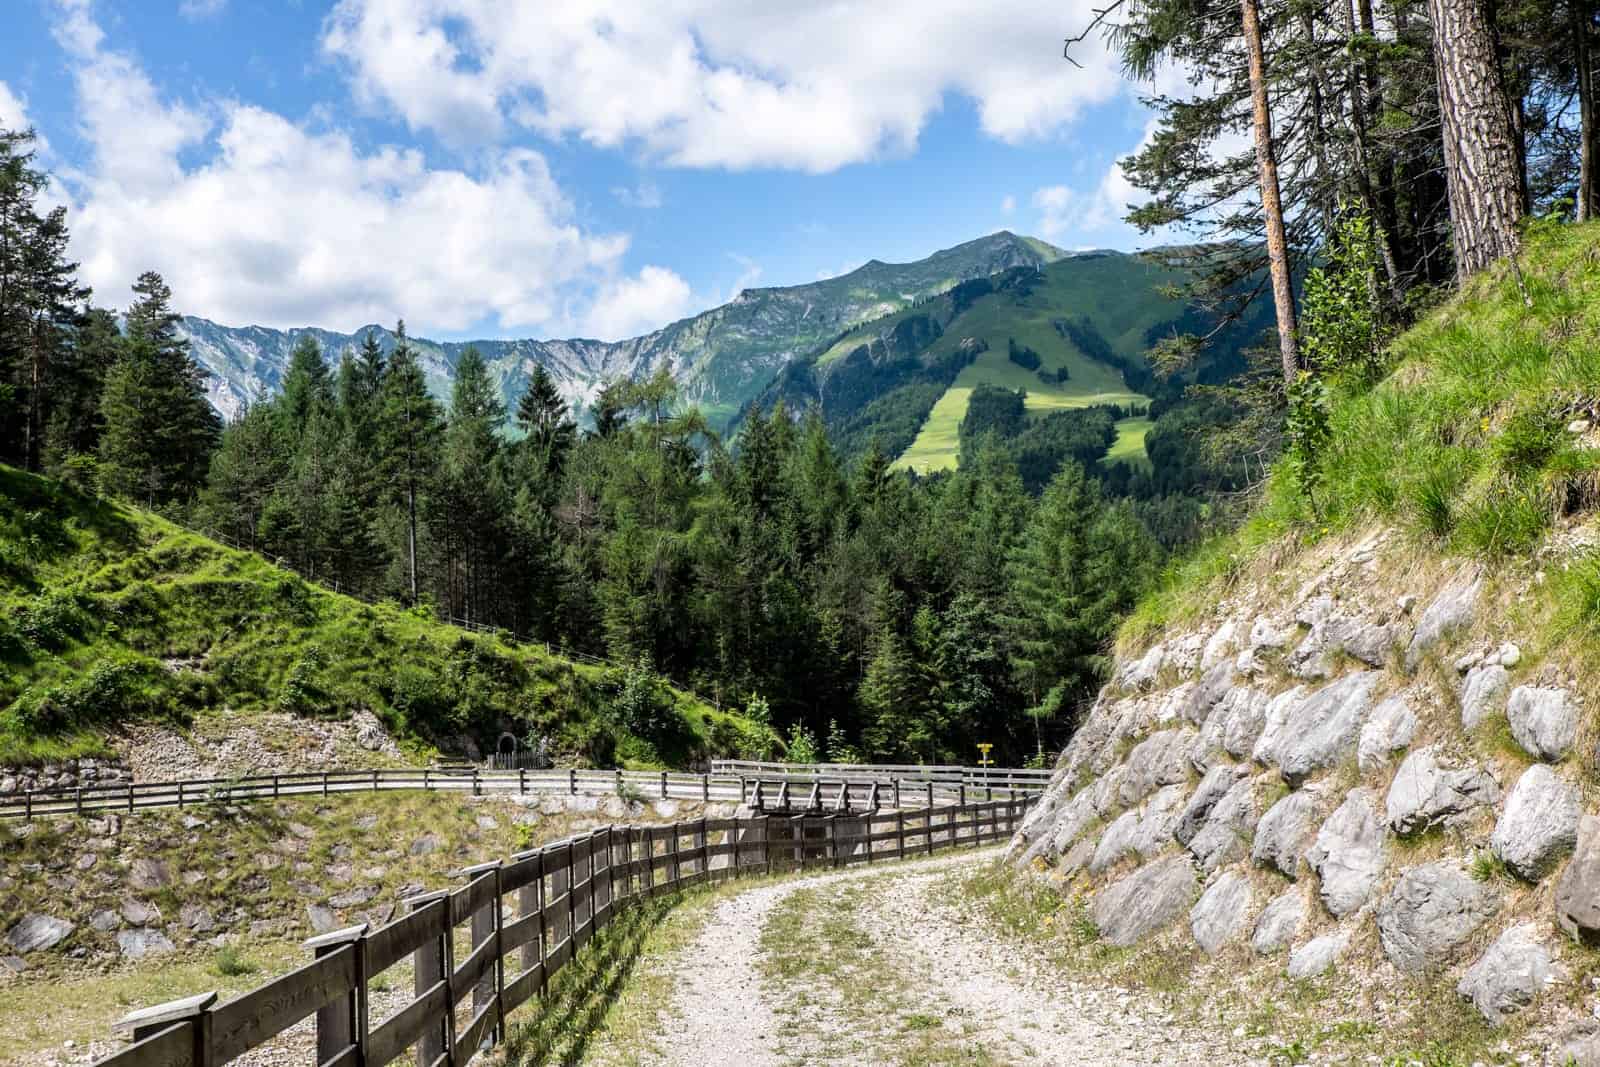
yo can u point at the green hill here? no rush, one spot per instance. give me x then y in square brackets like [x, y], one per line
[109, 614]
[1074, 333]
[1479, 441]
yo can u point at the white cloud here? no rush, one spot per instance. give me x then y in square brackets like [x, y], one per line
[13, 109]
[1008, 204]
[286, 224]
[627, 307]
[1059, 210]
[197, 10]
[645, 195]
[721, 83]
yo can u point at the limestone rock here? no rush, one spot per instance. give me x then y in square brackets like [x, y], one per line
[1077, 858]
[143, 941]
[105, 920]
[1452, 610]
[34, 932]
[1322, 729]
[1159, 760]
[322, 919]
[1430, 913]
[1544, 721]
[425, 845]
[1508, 976]
[1212, 688]
[354, 898]
[1425, 793]
[1222, 913]
[147, 874]
[1145, 831]
[139, 913]
[1276, 716]
[1279, 924]
[1246, 715]
[1538, 824]
[1389, 728]
[1142, 672]
[1221, 839]
[1270, 634]
[1212, 788]
[1145, 900]
[197, 918]
[1317, 955]
[1219, 646]
[1284, 832]
[1578, 892]
[1350, 853]
[1483, 693]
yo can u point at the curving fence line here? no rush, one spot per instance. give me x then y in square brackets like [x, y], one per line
[484, 949]
[841, 788]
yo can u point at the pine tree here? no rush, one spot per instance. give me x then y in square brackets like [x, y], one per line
[543, 416]
[306, 388]
[408, 438]
[160, 429]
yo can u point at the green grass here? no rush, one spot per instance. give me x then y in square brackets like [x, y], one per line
[1129, 445]
[1464, 443]
[109, 614]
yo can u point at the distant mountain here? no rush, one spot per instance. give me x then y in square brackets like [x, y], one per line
[1072, 333]
[722, 358]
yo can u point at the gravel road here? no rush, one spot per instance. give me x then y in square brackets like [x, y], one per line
[971, 997]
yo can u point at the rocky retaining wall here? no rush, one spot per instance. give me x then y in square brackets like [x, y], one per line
[67, 774]
[1347, 774]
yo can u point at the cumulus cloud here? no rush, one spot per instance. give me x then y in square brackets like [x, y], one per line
[627, 307]
[13, 109]
[286, 224]
[719, 83]
[646, 195]
[196, 10]
[1059, 210]
[1008, 204]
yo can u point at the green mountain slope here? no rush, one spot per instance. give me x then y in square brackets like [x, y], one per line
[720, 358]
[109, 614]
[1080, 328]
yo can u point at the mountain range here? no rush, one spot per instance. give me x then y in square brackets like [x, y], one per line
[722, 358]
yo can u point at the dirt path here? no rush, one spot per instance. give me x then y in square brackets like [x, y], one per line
[884, 966]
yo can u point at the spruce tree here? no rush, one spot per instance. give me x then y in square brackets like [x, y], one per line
[160, 429]
[408, 439]
[542, 415]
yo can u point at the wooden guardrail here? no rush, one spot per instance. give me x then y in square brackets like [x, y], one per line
[1016, 778]
[560, 895]
[131, 796]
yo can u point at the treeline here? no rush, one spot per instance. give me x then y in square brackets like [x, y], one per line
[864, 614]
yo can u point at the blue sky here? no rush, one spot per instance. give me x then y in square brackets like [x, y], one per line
[596, 168]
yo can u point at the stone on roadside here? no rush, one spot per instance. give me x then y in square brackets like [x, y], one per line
[1279, 923]
[1426, 793]
[35, 932]
[1222, 913]
[1145, 901]
[1350, 853]
[1389, 728]
[1449, 612]
[1577, 898]
[1322, 729]
[1483, 692]
[138, 943]
[1284, 832]
[1430, 913]
[1318, 955]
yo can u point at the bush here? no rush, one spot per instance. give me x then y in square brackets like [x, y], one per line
[641, 703]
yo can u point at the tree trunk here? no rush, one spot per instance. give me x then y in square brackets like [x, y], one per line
[411, 532]
[1271, 202]
[1363, 107]
[1588, 137]
[1482, 171]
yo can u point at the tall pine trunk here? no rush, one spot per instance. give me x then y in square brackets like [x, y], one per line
[1588, 136]
[1482, 171]
[1271, 200]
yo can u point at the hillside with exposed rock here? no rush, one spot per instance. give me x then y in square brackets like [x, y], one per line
[1354, 744]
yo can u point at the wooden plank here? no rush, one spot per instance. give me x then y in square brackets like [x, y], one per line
[519, 932]
[522, 987]
[520, 872]
[349, 1056]
[387, 945]
[172, 1047]
[247, 1021]
[473, 968]
[401, 1030]
[476, 894]
[467, 1044]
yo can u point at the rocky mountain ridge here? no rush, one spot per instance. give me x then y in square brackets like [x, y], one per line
[1350, 773]
[722, 357]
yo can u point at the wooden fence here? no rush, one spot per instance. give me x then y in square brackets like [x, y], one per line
[1019, 779]
[524, 918]
[727, 787]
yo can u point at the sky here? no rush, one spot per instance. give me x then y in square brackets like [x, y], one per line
[554, 168]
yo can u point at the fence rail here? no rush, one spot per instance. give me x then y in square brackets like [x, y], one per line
[525, 919]
[1019, 778]
[861, 788]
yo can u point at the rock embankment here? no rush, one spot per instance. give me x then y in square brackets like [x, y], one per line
[1349, 767]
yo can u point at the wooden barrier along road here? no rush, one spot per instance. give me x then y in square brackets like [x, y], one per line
[525, 918]
[764, 781]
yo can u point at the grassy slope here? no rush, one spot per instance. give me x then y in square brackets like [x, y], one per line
[1116, 293]
[1129, 445]
[1464, 444]
[99, 602]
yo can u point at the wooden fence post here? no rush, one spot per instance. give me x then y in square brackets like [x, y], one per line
[927, 825]
[897, 791]
[664, 786]
[432, 964]
[530, 901]
[900, 827]
[830, 826]
[572, 780]
[705, 789]
[340, 1022]
[486, 927]
[191, 1012]
[705, 853]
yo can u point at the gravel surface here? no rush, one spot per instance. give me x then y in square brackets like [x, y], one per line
[988, 993]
